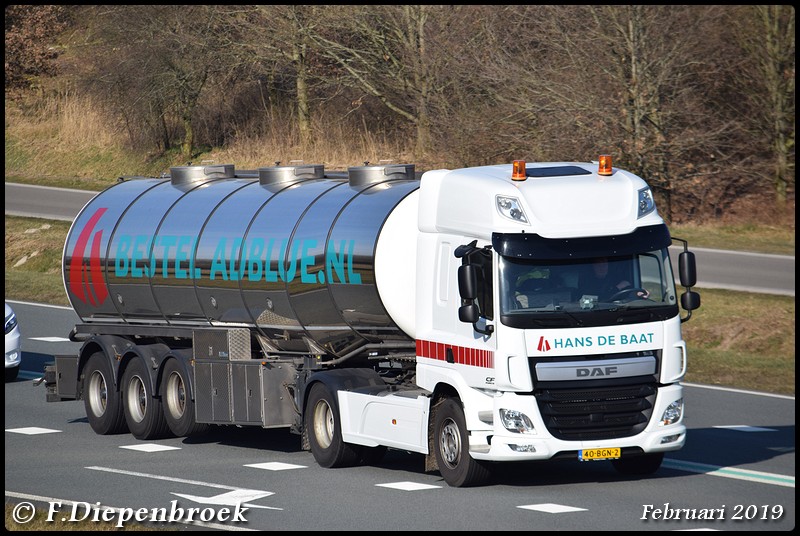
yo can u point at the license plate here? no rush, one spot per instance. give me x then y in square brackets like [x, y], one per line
[586, 455]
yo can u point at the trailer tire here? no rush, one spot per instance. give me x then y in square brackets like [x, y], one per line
[451, 443]
[646, 464]
[102, 402]
[143, 411]
[178, 403]
[324, 427]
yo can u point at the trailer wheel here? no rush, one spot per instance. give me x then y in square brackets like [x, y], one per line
[102, 402]
[143, 411]
[178, 404]
[325, 430]
[646, 464]
[451, 442]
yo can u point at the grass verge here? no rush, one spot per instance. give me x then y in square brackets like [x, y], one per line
[744, 237]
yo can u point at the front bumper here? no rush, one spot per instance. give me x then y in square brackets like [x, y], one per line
[500, 444]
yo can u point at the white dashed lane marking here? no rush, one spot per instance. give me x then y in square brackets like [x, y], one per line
[551, 508]
[275, 466]
[407, 486]
[149, 447]
[32, 430]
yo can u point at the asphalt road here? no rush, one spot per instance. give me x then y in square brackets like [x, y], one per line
[739, 461]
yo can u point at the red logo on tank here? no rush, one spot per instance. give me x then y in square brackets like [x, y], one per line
[86, 280]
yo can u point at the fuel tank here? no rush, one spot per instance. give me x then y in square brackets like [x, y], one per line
[309, 259]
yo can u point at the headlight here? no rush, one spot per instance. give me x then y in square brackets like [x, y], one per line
[11, 323]
[511, 208]
[516, 421]
[673, 413]
[646, 202]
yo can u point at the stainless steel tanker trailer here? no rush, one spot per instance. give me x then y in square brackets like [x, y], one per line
[373, 309]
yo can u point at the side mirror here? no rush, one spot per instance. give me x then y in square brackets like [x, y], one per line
[687, 269]
[468, 282]
[468, 313]
[690, 300]
[468, 289]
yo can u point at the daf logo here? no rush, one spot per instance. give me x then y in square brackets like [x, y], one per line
[596, 371]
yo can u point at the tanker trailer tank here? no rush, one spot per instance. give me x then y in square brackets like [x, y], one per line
[310, 262]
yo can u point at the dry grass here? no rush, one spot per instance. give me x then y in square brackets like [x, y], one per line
[251, 151]
[67, 140]
[743, 340]
[763, 238]
[33, 260]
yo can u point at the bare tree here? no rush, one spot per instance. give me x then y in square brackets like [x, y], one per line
[619, 79]
[160, 60]
[767, 78]
[276, 40]
[393, 53]
[699, 100]
[30, 50]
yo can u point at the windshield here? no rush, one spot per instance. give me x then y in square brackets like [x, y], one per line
[604, 290]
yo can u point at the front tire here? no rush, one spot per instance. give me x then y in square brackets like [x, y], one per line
[646, 464]
[143, 412]
[177, 401]
[103, 403]
[324, 430]
[451, 441]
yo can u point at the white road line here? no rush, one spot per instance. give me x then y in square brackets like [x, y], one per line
[161, 477]
[407, 486]
[32, 430]
[241, 497]
[552, 508]
[275, 466]
[732, 390]
[728, 472]
[149, 447]
[234, 491]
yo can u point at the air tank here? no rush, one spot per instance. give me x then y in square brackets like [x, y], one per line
[289, 251]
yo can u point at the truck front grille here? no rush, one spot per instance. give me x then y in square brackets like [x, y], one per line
[592, 413]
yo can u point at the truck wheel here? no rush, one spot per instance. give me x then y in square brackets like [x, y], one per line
[178, 404]
[325, 430]
[451, 442]
[143, 412]
[102, 403]
[639, 465]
